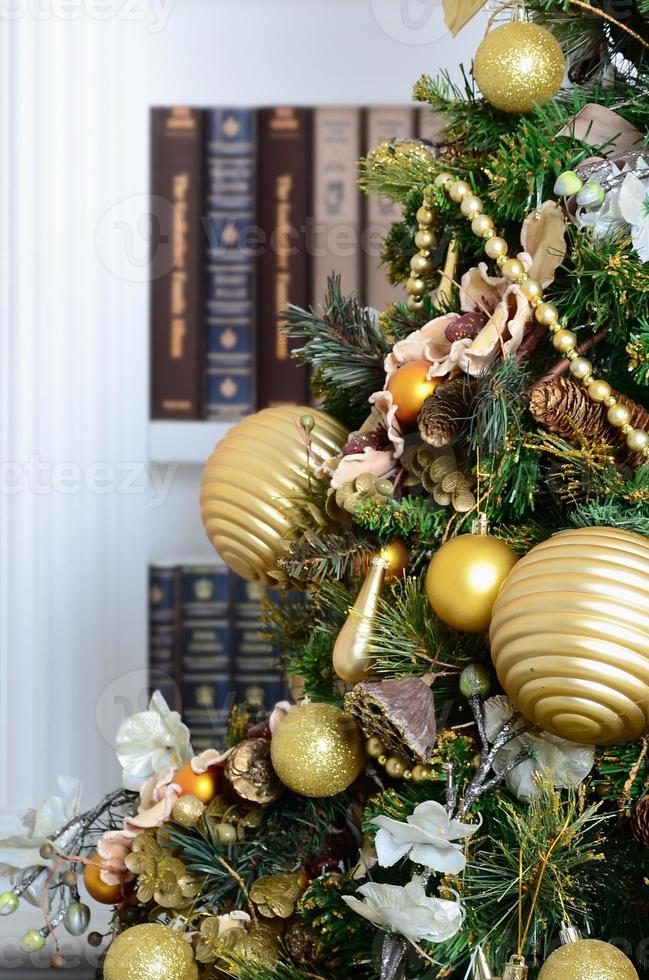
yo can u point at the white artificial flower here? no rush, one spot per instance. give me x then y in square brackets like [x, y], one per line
[150, 742]
[567, 763]
[408, 911]
[427, 837]
[634, 207]
[22, 851]
[602, 220]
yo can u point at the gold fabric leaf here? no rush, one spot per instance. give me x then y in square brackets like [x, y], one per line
[457, 13]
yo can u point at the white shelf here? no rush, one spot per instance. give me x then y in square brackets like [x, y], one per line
[184, 442]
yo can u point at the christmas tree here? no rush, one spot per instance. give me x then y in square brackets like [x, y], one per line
[459, 537]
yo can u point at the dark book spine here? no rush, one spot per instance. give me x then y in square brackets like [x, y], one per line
[283, 194]
[258, 677]
[177, 334]
[205, 651]
[164, 633]
[230, 198]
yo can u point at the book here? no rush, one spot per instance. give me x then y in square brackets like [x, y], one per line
[382, 123]
[177, 332]
[206, 652]
[336, 231]
[230, 206]
[163, 632]
[284, 177]
[431, 124]
[258, 677]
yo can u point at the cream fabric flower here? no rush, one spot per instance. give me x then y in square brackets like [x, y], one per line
[150, 742]
[428, 837]
[408, 911]
[634, 208]
[210, 757]
[568, 763]
[21, 851]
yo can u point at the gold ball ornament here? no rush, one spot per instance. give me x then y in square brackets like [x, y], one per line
[410, 388]
[97, 887]
[570, 635]
[203, 785]
[588, 959]
[150, 952]
[464, 577]
[519, 66]
[318, 750]
[249, 479]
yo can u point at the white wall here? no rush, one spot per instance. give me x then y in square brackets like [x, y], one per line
[77, 80]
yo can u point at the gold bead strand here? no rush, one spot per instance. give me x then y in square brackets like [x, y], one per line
[563, 340]
[420, 264]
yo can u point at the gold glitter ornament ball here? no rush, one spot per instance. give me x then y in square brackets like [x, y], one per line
[588, 959]
[318, 750]
[570, 635]
[519, 66]
[249, 481]
[150, 952]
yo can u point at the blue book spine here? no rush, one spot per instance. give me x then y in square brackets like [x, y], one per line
[164, 633]
[230, 216]
[206, 653]
[258, 677]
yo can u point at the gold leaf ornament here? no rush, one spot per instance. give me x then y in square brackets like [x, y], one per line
[457, 13]
[276, 895]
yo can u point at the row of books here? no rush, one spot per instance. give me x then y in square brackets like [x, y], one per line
[205, 650]
[252, 209]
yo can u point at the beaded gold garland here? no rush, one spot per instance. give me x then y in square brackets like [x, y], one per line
[421, 263]
[395, 765]
[547, 314]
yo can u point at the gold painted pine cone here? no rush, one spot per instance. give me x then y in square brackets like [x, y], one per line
[570, 635]
[250, 478]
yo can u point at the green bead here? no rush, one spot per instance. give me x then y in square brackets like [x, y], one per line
[9, 902]
[226, 832]
[384, 487]
[475, 679]
[32, 941]
[77, 918]
[567, 184]
[307, 422]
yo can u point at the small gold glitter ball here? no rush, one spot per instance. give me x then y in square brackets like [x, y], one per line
[188, 810]
[150, 952]
[318, 750]
[519, 66]
[588, 959]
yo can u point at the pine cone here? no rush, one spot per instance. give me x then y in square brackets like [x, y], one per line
[640, 821]
[563, 407]
[443, 413]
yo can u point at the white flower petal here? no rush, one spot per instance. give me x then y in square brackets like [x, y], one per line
[388, 851]
[448, 858]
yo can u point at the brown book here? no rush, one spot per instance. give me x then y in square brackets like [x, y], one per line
[431, 125]
[284, 141]
[382, 123]
[177, 333]
[336, 233]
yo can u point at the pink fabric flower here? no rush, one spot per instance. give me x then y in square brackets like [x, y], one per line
[157, 799]
[112, 848]
[379, 462]
[278, 714]
[427, 344]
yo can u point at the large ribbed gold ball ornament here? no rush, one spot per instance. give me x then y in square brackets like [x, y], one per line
[588, 959]
[150, 952]
[250, 478]
[463, 579]
[318, 750]
[570, 635]
[518, 66]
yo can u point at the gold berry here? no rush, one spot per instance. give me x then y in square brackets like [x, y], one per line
[416, 286]
[546, 313]
[599, 391]
[424, 239]
[512, 269]
[619, 415]
[415, 303]
[531, 289]
[495, 247]
[471, 205]
[637, 440]
[581, 368]
[564, 340]
[419, 263]
[425, 216]
[481, 223]
[442, 179]
[395, 767]
[374, 747]
[458, 190]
